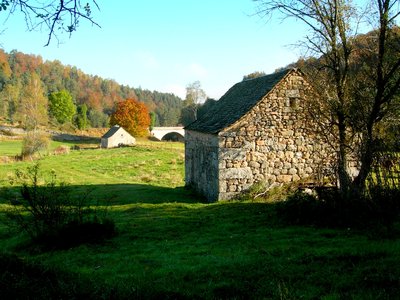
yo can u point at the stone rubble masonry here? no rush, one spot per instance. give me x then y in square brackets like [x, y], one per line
[273, 142]
[201, 167]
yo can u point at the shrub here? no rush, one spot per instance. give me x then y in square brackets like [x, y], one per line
[61, 150]
[301, 208]
[46, 211]
[384, 204]
[381, 207]
[268, 192]
[34, 142]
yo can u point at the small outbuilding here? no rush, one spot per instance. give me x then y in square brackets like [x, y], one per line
[259, 131]
[117, 136]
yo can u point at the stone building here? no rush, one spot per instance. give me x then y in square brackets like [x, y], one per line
[115, 137]
[258, 131]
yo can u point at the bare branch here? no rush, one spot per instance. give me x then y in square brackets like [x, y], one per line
[50, 15]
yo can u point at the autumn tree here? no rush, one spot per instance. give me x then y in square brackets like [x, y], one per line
[5, 70]
[32, 108]
[99, 95]
[332, 30]
[61, 106]
[133, 115]
[53, 16]
[9, 99]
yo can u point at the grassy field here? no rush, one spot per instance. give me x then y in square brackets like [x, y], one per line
[13, 147]
[172, 245]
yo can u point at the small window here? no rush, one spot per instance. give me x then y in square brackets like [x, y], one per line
[293, 102]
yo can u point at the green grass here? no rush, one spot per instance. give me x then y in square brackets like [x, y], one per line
[172, 245]
[10, 147]
[13, 147]
[150, 173]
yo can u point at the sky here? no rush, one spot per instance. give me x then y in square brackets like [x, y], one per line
[166, 45]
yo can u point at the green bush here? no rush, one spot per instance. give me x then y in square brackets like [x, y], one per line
[46, 211]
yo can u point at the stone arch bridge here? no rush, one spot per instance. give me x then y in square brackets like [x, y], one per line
[168, 133]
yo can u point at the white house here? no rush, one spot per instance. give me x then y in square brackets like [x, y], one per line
[116, 136]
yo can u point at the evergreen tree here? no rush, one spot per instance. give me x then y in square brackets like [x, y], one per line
[81, 120]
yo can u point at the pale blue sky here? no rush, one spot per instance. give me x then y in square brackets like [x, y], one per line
[165, 45]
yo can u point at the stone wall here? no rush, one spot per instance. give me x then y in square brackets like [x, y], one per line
[201, 163]
[273, 142]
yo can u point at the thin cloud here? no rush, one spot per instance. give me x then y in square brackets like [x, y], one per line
[146, 59]
[196, 70]
[176, 89]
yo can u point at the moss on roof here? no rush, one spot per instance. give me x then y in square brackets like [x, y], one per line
[111, 132]
[236, 102]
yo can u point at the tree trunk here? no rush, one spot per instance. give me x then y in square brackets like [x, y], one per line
[366, 159]
[344, 178]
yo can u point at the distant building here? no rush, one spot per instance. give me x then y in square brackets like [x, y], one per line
[115, 137]
[259, 131]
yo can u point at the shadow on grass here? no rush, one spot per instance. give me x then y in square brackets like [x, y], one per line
[121, 194]
[73, 139]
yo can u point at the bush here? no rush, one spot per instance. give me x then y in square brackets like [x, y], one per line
[301, 208]
[384, 204]
[61, 150]
[34, 142]
[46, 211]
[381, 207]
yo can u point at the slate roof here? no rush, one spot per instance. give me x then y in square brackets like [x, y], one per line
[111, 132]
[236, 102]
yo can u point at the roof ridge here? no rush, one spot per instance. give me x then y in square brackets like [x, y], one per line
[237, 101]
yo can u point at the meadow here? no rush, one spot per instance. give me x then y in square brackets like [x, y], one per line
[171, 244]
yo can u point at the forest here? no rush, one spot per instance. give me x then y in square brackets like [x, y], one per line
[92, 95]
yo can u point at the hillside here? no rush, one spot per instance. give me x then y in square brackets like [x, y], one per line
[98, 94]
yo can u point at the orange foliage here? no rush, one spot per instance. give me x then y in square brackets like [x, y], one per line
[93, 100]
[4, 66]
[133, 116]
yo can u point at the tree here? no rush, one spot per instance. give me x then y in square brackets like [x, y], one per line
[32, 108]
[133, 116]
[333, 27]
[377, 94]
[98, 119]
[61, 106]
[9, 99]
[99, 95]
[153, 118]
[194, 96]
[55, 16]
[81, 120]
[5, 70]
[253, 75]
[206, 107]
